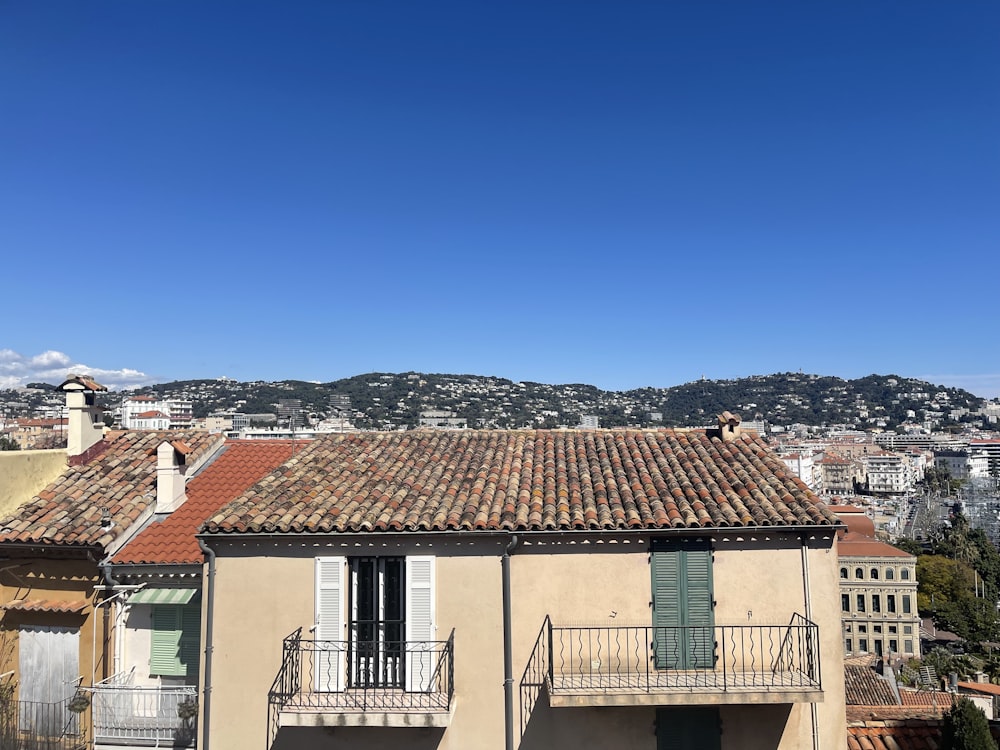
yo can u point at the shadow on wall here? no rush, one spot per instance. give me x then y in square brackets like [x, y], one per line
[345, 738]
[585, 728]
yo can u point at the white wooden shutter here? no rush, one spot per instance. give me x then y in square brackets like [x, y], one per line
[49, 664]
[329, 654]
[421, 657]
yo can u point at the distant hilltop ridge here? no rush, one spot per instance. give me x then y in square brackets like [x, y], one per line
[396, 400]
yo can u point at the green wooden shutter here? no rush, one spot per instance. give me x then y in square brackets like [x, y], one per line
[688, 728]
[666, 575]
[176, 639]
[683, 618]
[700, 632]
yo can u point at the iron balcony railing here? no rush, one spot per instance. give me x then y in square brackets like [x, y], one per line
[321, 676]
[639, 659]
[35, 725]
[124, 713]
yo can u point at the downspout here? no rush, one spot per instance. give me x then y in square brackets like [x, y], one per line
[813, 711]
[112, 583]
[508, 651]
[209, 612]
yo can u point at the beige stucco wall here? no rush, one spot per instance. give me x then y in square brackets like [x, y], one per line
[23, 474]
[265, 591]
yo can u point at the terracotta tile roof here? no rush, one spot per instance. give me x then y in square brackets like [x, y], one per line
[910, 697]
[150, 415]
[526, 480]
[46, 605]
[987, 688]
[82, 381]
[241, 464]
[864, 687]
[120, 481]
[853, 544]
[895, 735]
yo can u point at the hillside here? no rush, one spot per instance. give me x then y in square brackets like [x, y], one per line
[387, 400]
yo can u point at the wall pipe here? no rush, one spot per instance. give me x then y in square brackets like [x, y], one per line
[209, 588]
[508, 651]
[807, 600]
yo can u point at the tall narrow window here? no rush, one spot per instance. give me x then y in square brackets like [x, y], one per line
[890, 604]
[176, 635]
[876, 603]
[845, 602]
[861, 602]
[906, 604]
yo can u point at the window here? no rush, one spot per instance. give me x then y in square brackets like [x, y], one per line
[175, 640]
[683, 618]
[367, 610]
[907, 630]
[862, 628]
[904, 574]
[877, 629]
[889, 574]
[859, 573]
[876, 603]
[908, 644]
[861, 602]
[893, 646]
[688, 728]
[848, 646]
[845, 602]
[906, 604]
[843, 573]
[890, 603]
[863, 645]
[892, 629]
[874, 574]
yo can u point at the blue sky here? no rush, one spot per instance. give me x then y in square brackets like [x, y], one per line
[622, 194]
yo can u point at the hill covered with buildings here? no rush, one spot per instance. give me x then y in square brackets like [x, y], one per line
[401, 400]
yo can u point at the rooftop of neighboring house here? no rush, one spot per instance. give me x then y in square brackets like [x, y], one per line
[239, 465]
[92, 503]
[152, 415]
[526, 480]
[854, 544]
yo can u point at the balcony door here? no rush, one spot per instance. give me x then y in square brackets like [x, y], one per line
[683, 616]
[377, 644]
[375, 623]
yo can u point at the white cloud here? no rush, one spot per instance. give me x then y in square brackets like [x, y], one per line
[16, 370]
[984, 386]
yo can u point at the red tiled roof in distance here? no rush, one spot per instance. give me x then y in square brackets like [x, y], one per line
[526, 480]
[241, 464]
[853, 544]
[93, 503]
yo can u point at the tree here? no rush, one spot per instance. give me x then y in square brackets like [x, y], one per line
[966, 728]
[8, 444]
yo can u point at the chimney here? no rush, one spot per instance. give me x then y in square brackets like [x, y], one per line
[170, 457]
[729, 426]
[86, 425]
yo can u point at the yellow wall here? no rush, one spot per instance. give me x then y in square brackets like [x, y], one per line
[265, 591]
[23, 474]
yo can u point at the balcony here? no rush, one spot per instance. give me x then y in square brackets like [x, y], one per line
[124, 714]
[362, 683]
[722, 664]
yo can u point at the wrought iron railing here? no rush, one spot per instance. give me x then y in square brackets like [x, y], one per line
[35, 725]
[147, 715]
[639, 659]
[361, 676]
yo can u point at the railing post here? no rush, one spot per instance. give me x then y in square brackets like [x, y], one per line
[551, 674]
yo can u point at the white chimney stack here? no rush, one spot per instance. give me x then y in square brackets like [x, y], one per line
[169, 477]
[85, 425]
